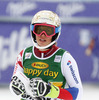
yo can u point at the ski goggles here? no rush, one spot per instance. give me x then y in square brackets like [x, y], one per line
[48, 30]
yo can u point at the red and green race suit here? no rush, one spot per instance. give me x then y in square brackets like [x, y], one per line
[56, 66]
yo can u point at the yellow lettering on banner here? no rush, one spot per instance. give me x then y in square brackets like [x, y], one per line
[39, 72]
[35, 71]
[51, 73]
[30, 71]
[46, 72]
[24, 70]
[56, 74]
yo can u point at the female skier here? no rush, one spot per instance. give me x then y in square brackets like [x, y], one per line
[45, 71]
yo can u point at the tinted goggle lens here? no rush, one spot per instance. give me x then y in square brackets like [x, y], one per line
[38, 29]
[50, 30]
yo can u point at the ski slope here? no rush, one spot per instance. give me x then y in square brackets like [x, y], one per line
[91, 92]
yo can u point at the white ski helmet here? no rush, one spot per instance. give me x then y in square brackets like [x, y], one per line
[48, 17]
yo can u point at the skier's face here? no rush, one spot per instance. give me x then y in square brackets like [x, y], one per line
[43, 40]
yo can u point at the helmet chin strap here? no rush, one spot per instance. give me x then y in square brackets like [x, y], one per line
[45, 47]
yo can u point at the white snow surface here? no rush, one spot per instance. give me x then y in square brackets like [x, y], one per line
[90, 92]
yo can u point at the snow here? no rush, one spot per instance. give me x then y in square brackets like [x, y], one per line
[91, 92]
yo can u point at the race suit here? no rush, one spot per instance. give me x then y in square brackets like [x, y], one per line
[55, 65]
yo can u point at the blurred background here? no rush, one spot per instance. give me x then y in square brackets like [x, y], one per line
[79, 36]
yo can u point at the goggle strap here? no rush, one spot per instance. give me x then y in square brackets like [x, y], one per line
[57, 29]
[31, 27]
